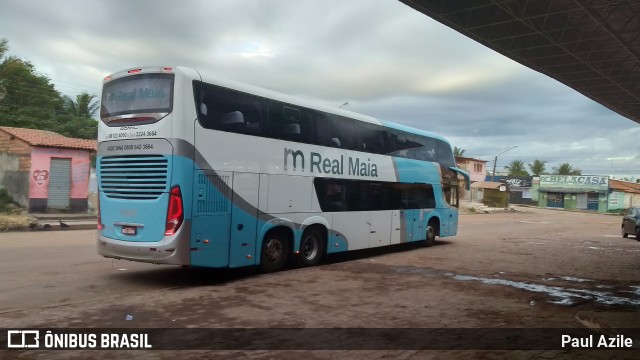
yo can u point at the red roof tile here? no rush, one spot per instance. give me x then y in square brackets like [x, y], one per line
[624, 186]
[49, 138]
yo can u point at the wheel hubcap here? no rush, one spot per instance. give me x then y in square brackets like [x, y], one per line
[274, 250]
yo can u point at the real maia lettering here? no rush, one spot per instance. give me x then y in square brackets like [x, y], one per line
[295, 160]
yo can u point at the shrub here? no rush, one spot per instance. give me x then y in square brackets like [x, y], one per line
[6, 201]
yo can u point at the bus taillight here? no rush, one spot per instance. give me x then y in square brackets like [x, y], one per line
[175, 214]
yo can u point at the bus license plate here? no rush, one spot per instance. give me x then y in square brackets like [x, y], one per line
[129, 230]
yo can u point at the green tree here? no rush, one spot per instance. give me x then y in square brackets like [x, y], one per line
[31, 101]
[30, 98]
[458, 151]
[566, 169]
[538, 167]
[516, 168]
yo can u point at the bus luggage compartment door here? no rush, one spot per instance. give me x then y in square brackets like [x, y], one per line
[379, 233]
[210, 229]
[244, 220]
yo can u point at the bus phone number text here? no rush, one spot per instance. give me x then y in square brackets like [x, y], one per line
[122, 135]
[129, 147]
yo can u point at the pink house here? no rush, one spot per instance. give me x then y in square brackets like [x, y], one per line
[475, 167]
[45, 171]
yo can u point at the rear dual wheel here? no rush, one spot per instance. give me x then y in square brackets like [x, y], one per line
[276, 249]
[312, 248]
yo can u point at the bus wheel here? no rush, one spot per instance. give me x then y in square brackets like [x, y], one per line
[274, 252]
[311, 248]
[431, 236]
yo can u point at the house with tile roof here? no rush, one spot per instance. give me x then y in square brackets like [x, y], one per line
[45, 171]
[623, 194]
[476, 169]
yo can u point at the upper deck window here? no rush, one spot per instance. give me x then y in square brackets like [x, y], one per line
[224, 109]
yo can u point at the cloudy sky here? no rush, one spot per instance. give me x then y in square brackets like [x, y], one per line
[384, 58]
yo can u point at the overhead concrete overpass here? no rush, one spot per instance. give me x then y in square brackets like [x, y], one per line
[592, 46]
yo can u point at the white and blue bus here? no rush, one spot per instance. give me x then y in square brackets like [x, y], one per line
[208, 172]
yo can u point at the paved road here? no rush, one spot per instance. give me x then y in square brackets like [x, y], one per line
[538, 268]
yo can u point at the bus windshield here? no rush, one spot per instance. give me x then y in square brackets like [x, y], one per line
[150, 94]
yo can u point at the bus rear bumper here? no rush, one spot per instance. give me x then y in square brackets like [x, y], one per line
[171, 250]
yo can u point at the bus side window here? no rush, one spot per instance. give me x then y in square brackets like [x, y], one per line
[229, 110]
[327, 132]
[290, 123]
[331, 194]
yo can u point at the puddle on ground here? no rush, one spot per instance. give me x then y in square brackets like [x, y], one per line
[574, 279]
[559, 295]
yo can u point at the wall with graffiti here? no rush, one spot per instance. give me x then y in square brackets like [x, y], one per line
[40, 175]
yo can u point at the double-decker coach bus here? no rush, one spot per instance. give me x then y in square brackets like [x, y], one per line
[208, 172]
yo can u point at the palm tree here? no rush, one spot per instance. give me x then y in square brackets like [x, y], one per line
[85, 105]
[566, 169]
[537, 167]
[516, 168]
[458, 151]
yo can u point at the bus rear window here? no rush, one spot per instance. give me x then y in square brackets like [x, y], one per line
[137, 99]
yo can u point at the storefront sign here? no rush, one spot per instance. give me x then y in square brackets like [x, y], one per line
[574, 182]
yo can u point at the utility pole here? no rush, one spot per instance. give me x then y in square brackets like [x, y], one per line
[495, 160]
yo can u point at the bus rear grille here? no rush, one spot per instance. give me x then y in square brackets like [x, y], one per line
[135, 177]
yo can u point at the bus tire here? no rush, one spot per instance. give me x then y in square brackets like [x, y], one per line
[431, 235]
[274, 252]
[312, 248]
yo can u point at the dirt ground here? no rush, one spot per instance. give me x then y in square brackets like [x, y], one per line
[535, 268]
